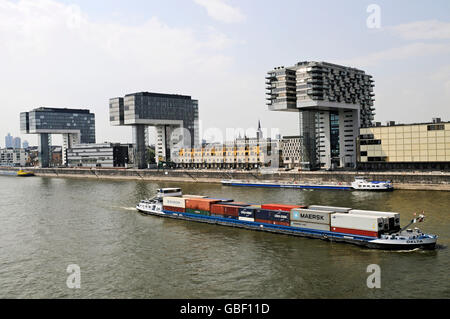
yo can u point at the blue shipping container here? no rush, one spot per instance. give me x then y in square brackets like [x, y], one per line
[263, 214]
[247, 212]
[280, 216]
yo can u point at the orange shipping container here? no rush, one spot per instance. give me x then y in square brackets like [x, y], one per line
[221, 209]
[200, 203]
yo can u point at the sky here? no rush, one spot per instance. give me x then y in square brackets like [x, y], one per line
[81, 53]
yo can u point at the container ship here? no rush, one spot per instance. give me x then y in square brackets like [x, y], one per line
[360, 184]
[372, 229]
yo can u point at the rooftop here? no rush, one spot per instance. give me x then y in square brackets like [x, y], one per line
[152, 94]
[60, 110]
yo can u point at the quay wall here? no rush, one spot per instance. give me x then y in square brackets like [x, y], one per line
[402, 180]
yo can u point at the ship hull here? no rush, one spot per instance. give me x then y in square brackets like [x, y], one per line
[291, 186]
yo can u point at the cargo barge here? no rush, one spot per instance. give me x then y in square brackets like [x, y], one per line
[360, 184]
[372, 229]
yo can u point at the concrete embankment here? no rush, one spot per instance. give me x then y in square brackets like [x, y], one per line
[401, 180]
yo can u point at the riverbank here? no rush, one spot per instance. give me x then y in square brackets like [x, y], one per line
[401, 180]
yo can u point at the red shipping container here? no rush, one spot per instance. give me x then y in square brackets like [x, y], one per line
[221, 209]
[263, 221]
[284, 208]
[217, 209]
[231, 210]
[174, 209]
[354, 231]
[200, 203]
[281, 223]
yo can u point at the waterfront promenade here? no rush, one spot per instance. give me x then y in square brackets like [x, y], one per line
[412, 180]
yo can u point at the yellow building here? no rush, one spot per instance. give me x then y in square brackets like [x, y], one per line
[237, 154]
[409, 146]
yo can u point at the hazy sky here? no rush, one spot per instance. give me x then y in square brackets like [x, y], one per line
[80, 53]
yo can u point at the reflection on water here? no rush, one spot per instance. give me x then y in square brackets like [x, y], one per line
[48, 224]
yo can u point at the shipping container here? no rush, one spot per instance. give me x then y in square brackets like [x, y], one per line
[222, 209]
[174, 202]
[281, 223]
[194, 196]
[262, 214]
[174, 209]
[308, 225]
[280, 216]
[247, 212]
[311, 216]
[265, 221]
[330, 208]
[238, 204]
[393, 218]
[285, 208]
[222, 200]
[200, 203]
[246, 219]
[355, 231]
[198, 212]
[357, 222]
[217, 209]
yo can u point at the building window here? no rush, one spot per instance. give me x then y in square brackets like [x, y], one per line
[334, 134]
[439, 127]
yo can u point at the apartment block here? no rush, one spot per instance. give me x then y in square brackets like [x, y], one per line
[13, 157]
[333, 102]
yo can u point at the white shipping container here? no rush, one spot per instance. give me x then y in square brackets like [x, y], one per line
[247, 219]
[396, 216]
[311, 216]
[310, 225]
[174, 202]
[194, 196]
[330, 208]
[385, 219]
[359, 222]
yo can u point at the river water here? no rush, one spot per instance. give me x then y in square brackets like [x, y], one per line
[50, 223]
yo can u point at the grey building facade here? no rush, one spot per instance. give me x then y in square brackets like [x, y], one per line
[333, 102]
[166, 112]
[76, 126]
[106, 155]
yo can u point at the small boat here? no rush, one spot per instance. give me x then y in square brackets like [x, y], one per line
[23, 173]
[362, 184]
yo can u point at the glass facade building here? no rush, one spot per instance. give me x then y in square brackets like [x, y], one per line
[166, 112]
[75, 123]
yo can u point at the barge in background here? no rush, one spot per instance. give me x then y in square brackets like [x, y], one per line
[372, 229]
[360, 184]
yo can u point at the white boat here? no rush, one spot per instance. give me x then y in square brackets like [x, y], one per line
[362, 184]
[155, 205]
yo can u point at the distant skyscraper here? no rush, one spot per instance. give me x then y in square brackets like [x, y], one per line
[8, 141]
[17, 142]
[25, 144]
